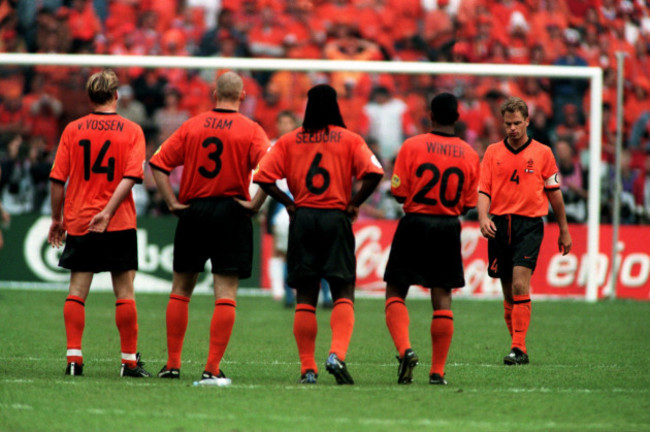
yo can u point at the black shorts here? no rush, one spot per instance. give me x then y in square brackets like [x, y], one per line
[426, 251]
[321, 245]
[218, 229]
[113, 251]
[517, 243]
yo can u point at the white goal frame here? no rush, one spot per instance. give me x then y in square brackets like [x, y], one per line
[593, 74]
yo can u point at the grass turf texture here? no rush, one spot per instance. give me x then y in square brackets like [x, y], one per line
[588, 372]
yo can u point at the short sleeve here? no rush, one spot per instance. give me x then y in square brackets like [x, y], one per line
[259, 147]
[171, 153]
[399, 186]
[364, 161]
[136, 157]
[472, 187]
[271, 166]
[485, 182]
[61, 166]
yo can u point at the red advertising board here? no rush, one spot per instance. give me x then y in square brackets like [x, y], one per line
[556, 275]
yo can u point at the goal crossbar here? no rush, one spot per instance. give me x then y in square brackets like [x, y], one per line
[593, 74]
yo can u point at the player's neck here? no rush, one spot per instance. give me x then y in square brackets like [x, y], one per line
[447, 129]
[515, 144]
[227, 105]
[110, 107]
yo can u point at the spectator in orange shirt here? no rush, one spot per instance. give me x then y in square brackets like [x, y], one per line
[347, 45]
[267, 110]
[638, 101]
[267, 39]
[83, 22]
[305, 33]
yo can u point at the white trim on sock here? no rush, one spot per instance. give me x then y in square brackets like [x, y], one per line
[74, 353]
[129, 357]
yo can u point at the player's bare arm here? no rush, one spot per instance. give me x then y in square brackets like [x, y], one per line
[564, 241]
[56, 235]
[253, 206]
[164, 186]
[272, 190]
[100, 221]
[488, 229]
[368, 185]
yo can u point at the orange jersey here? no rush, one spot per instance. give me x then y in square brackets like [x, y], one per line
[515, 180]
[319, 168]
[436, 174]
[218, 149]
[95, 153]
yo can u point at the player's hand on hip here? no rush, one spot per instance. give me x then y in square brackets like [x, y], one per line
[488, 229]
[564, 242]
[56, 235]
[352, 212]
[99, 223]
[178, 208]
[247, 205]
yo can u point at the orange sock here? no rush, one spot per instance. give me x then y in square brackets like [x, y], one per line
[342, 324]
[177, 316]
[305, 328]
[126, 318]
[507, 315]
[442, 330]
[520, 321]
[74, 316]
[223, 320]
[397, 321]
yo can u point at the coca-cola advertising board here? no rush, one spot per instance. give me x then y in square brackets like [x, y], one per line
[556, 276]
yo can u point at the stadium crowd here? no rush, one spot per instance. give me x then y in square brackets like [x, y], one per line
[36, 102]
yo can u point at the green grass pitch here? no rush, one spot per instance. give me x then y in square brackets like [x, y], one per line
[589, 371]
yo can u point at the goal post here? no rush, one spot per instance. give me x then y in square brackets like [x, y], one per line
[593, 74]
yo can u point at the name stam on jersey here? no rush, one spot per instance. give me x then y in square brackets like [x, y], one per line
[217, 123]
[101, 125]
[305, 138]
[445, 149]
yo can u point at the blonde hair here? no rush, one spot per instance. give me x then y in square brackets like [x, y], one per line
[102, 86]
[229, 86]
[514, 104]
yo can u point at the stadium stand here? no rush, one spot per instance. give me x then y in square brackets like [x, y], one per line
[36, 102]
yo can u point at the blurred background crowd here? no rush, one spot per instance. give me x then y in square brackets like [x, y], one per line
[37, 102]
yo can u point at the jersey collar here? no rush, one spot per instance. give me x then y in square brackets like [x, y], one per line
[442, 134]
[520, 149]
[221, 110]
[104, 113]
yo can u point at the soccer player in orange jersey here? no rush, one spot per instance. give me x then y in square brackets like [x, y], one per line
[436, 178]
[319, 161]
[101, 157]
[218, 150]
[518, 180]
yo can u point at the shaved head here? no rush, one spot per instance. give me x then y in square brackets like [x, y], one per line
[229, 87]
